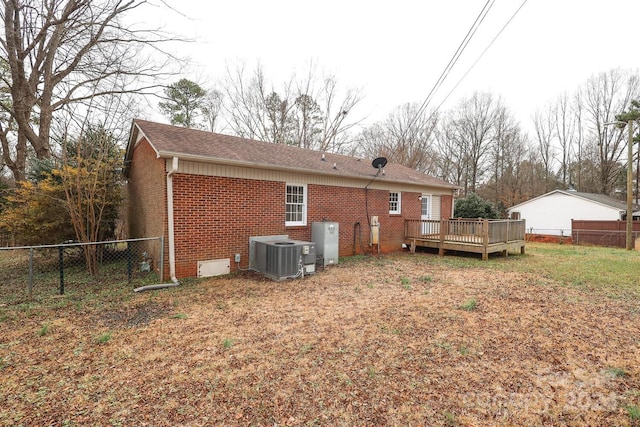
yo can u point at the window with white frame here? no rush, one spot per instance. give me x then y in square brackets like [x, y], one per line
[394, 202]
[296, 205]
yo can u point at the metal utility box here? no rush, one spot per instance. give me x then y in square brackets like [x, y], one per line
[285, 259]
[326, 236]
[375, 231]
[214, 267]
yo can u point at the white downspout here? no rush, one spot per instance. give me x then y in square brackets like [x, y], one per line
[172, 246]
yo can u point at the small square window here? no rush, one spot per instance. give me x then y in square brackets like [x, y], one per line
[394, 203]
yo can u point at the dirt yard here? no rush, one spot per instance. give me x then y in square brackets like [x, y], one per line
[399, 340]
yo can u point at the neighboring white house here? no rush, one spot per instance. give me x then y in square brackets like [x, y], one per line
[551, 213]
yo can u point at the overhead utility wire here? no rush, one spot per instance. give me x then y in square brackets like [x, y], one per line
[454, 59]
[479, 57]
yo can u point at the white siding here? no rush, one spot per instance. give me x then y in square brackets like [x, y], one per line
[211, 169]
[552, 214]
[436, 203]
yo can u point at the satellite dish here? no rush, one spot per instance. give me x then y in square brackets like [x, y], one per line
[379, 162]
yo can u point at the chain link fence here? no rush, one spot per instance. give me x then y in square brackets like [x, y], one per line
[48, 270]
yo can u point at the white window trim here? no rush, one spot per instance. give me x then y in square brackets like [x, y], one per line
[304, 205]
[429, 213]
[399, 210]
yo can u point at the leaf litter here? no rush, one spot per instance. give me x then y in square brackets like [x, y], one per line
[366, 343]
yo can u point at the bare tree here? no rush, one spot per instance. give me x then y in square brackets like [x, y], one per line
[530, 177]
[579, 150]
[506, 152]
[404, 138]
[338, 119]
[61, 52]
[604, 96]
[211, 108]
[545, 125]
[567, 122]
[473, 126]
[307, 118]
[253, 110]
[514, 179]
[303, 112]
[450, 155]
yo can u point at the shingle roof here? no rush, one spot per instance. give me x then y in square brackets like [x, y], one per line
[197, 145]
[598, 198]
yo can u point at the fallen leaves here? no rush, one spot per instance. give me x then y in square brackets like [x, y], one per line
[366, 343]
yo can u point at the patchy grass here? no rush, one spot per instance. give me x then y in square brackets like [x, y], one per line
[634, 413]
[104, 338]
[553, 344]
[617, 372]
[44, 330]
[469, 305]
[612, 271]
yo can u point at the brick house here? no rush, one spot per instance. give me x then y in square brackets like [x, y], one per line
[207, 193]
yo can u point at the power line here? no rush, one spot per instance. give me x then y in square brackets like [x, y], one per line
[479, 57]
[454, 59]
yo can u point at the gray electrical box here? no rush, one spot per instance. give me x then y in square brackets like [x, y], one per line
[326, 236]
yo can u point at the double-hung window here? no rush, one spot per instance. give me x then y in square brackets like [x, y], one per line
[394, 203]
[296, 205]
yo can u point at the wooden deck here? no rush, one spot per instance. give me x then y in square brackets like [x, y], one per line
[483, 236]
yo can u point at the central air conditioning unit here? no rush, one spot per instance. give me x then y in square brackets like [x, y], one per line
[283, 259]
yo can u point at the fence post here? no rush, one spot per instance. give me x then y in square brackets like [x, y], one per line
[30, 273]
[162, 256]
[129, 262]
[61, 267]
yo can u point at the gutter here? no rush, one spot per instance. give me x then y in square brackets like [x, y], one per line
[170, 232]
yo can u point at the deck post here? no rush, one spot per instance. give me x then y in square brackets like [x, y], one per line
[485, 239]
[505, 253]
[442, 235]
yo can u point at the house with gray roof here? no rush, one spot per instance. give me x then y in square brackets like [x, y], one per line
[208, 193]
[551, 213]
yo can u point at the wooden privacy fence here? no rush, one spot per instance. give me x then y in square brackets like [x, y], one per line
[603, 233]
[482, 236]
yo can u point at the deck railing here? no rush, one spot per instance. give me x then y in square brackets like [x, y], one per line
[474, 231]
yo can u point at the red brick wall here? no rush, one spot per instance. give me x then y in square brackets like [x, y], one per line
[215, 216]
[446, 206]
[349, 207]
[147, 200]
